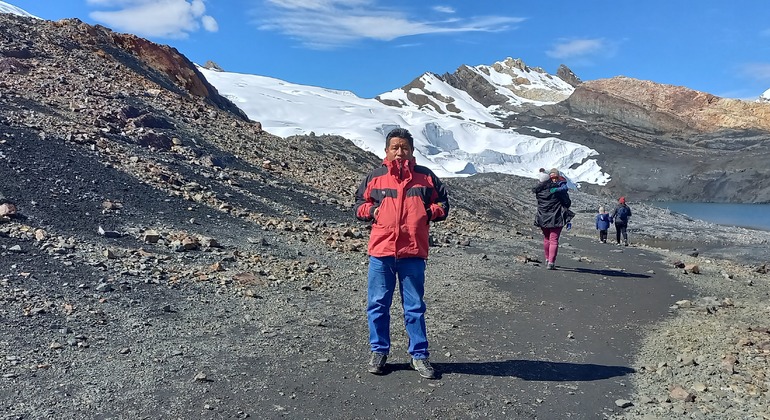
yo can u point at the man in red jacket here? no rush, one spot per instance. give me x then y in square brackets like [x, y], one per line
[400, 198]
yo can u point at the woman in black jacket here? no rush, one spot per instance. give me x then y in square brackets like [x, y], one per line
[553, 213]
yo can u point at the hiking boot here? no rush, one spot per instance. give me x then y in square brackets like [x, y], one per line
[423, 367]
[551, 266]
[377, 363]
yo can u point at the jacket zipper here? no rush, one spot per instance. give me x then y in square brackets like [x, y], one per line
[400, 201]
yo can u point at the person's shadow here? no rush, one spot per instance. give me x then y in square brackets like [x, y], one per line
[605, 272]
[533, 370]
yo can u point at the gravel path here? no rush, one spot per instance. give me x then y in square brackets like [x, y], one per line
[510, 338]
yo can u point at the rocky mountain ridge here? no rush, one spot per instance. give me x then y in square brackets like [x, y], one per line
[658, 142]
[666, 109]
[522, 86]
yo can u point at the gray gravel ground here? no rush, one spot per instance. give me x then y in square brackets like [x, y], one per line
[511, 339]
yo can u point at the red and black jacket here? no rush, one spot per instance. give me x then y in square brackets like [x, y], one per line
[408, 197]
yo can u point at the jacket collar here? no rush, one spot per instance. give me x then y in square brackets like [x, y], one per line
[401, 169]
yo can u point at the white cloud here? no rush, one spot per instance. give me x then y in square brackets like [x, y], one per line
[444, 9]
[577, 48]
[155, 18]
[209, 23]
[327, 24]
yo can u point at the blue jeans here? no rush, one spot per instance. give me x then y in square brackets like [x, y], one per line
[383, 272]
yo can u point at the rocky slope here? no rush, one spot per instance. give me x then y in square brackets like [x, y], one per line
[666, 109]
[663, 142]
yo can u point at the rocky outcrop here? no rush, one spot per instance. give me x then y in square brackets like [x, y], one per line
[658, 108]
[161, 64]
[504, 87]
[212, 66]
[531, 83]
[472, 82]
[564, 73]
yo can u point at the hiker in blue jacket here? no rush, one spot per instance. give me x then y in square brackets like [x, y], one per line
[603, 221]
[620, 216]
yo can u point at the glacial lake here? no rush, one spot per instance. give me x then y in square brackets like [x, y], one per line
[755, 216]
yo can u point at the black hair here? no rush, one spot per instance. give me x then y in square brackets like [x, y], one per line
[401, 133]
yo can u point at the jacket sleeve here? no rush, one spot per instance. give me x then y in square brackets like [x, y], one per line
[439, 207]
[365, 205]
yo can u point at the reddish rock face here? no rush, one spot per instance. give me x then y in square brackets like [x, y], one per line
[167, 60]
[141, 55]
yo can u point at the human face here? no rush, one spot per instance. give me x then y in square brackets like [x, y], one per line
[398, 149]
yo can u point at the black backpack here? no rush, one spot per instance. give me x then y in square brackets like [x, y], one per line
[622, 214]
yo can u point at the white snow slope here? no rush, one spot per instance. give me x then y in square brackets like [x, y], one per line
[458, 145]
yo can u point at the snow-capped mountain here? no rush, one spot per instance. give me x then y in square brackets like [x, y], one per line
[499, 89]
[455, 134]
[8, 8]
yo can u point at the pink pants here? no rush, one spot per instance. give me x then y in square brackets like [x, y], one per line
[551, 243]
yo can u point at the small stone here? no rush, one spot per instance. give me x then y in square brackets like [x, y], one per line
[104, 287]
[623, 403]
[7, 209]
[150, 236]
[700, 387]
[679, 393]
[108, 233]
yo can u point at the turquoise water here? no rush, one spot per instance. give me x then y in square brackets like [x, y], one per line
[755, 216]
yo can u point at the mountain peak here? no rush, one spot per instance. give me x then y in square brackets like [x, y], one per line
[564, 73]
[501, 89]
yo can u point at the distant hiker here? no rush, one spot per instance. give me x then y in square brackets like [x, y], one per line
[603, 221]
[620, 216]
[553, 213]
[400, 198]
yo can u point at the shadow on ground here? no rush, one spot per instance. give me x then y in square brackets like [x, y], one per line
[533, 370]
[604, 272]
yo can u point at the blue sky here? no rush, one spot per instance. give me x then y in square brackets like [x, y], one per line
[373, 46]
